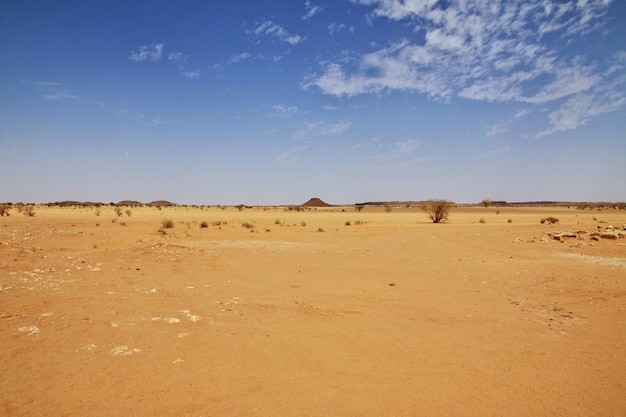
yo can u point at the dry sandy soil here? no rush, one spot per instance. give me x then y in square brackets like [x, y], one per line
[388, 316]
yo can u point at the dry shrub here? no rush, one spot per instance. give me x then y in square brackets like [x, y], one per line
[129, 212]
[29, 210]
[4, 209]
[437, 210]
[167, 223]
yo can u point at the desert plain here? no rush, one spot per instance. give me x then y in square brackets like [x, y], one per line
[328, 311]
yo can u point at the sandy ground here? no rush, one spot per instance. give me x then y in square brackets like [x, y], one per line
[303, 315]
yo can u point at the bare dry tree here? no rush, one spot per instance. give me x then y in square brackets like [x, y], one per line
[437, 210]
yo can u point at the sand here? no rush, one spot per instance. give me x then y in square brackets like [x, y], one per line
[299, 314]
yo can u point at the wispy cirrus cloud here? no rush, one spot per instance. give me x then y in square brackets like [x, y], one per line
[285, 110]
[243, 56]
[155, 52]
[390, 152]
[496, 51]
[275, 31]
[152, 52]
[335, 28]
[291, 154]
[495, 152]
[310, 10]
[57, 91]
[322, 128]
[180, 60]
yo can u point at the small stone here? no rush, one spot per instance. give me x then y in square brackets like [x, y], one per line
[29, 330]
[172, 320]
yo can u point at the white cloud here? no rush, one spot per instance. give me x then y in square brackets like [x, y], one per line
[400, 150]
[310, 10]
[269, 28]
[579, 109]
[291, 154]
[322, 129]
[191, 74]
[497, 128]
[492, 51]
[180, 60]
[148, 53]
[285, 110]
[522, 113]
[232, 60]
[335, 28]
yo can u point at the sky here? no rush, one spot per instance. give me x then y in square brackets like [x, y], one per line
[275, 102]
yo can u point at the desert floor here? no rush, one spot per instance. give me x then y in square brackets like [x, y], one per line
[300, 314]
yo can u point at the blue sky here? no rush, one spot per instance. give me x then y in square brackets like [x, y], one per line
[274, 102]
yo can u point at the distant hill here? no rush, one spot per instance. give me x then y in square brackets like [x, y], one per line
[131, 203]
[161, 203]
[316, 202]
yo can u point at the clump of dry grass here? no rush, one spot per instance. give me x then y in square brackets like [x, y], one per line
[167, 223]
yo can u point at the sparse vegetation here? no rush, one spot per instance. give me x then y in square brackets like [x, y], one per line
[247, 225]
[204, 225]
[388, 208]
[167, 223]
[509, 221]
[359, 207]
[437, 210]
[319, 229]
[348, 223]
[486, 202]
[4, 209]
[29, 210]
[118, 211]
[482, 220]
[549, 220]
[129, 212]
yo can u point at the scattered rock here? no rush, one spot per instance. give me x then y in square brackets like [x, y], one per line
[29, 330]
[172, 320]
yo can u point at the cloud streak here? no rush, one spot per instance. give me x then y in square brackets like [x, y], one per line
[155, 52]
[275, 31]
[148, 53]
[310, 10]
